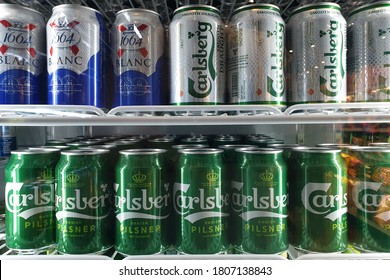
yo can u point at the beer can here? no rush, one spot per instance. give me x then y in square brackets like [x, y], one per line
[22, 55]
[142, 202]
[76, 56]
[161, 143]
[255, 56]
[317, 200]
[316, 54]
[368, 196]
[84, 202]
[369, 53]
[197, 54]
[29, 199]
[137, 41]
[201, 203]
[221, 140]
[259, 202]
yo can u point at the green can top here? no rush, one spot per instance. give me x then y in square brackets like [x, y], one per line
[142, 152]
[260, 151]
[316, 6]
[201, 151]
[85, 152]
[234, 147]
[317, 150]
[35, 151]
[103, 146]
[372, 149]
[162, 140]
[189, 146]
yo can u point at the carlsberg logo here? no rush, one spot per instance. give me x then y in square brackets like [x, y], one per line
[262, 205]
[366, 197]
[200, 206]
[34, 202]
[203, 70]
[316, 200]
[275, 84]
[331, 81]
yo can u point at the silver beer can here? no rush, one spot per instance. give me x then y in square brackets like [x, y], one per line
[197, 55]
[316, 54]
[255, 56]
[369, 53]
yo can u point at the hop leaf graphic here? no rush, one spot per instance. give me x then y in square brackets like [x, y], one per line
[381, 32]
[322, 33]
[190, 35]
[103, 187]
[269, 33]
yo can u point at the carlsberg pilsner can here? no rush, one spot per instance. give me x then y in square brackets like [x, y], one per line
[83, 202]
[29, 193]
[142, 202]
[259, 201]
[255, 62]
[316, 54]
[317, 200]
[197, 48]
[201, 202]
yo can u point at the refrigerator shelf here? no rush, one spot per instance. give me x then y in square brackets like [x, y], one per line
[213, 115]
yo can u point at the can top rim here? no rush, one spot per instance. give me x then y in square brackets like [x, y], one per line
[28, 151]
[143, 151]
[75, 5]
[380, 144]
[124, 142]
[369, 6]
[319, 5]
[321, 150]
[282, 146]
[201, 151]
[84, 152]
[235, 146]
[22, 7]
[196, 7]
[334, 145]
[264, 6]
[137, 10]
[103, 146]
[161, 140]
[259, 150]
[370, 148]
[189, 146]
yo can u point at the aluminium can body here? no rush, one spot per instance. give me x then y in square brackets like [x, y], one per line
[30, 202]
[259, 201]
[142, 202]
[201, 203]
[369, 53]
[368, 199]
[317, 200]
[22, 55]
[316, 54]
[76, 56]
[137, 41]
[197, 55]
[84, 202]
[255, 56]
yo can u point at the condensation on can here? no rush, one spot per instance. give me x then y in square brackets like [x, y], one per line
[255, 62]
[137, 40]
[23, 61]
[316, 54]
[197, 55]
[368, 58]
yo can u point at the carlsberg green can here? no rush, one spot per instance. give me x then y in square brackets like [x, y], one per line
[29, 194]
[201, 202]
[84, 202]
[259, 201]
[317, 200]
[143, 202]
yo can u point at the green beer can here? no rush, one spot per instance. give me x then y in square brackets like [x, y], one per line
[201, 202]
[142, 202]
[369, 199]
[84, 202]
[317, 200]
[259, 202]
[29, 193]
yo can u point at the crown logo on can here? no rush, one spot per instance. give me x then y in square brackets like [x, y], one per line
[47, 174]
[212, 176]
[72, 178]
[139, 178]
[267, 176]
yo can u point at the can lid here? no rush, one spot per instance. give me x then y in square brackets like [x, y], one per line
[161, 140]
[315, 6]
[189, 146]
[320, 150]
[369, 148]
[124, 142]
[335, 145]
[84, 152]
[256, 7]
[137, 10]
[201, 151]
[74, 7]
[370, 6]
[283, 146]
[234, 147]
[94, 147]
[261, 151]
[197, 7]
[58, 147]
[35, 151]
[143, 151]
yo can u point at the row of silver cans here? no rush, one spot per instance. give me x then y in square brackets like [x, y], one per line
[369, 53]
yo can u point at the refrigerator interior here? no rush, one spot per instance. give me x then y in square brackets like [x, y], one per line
[307, 124]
